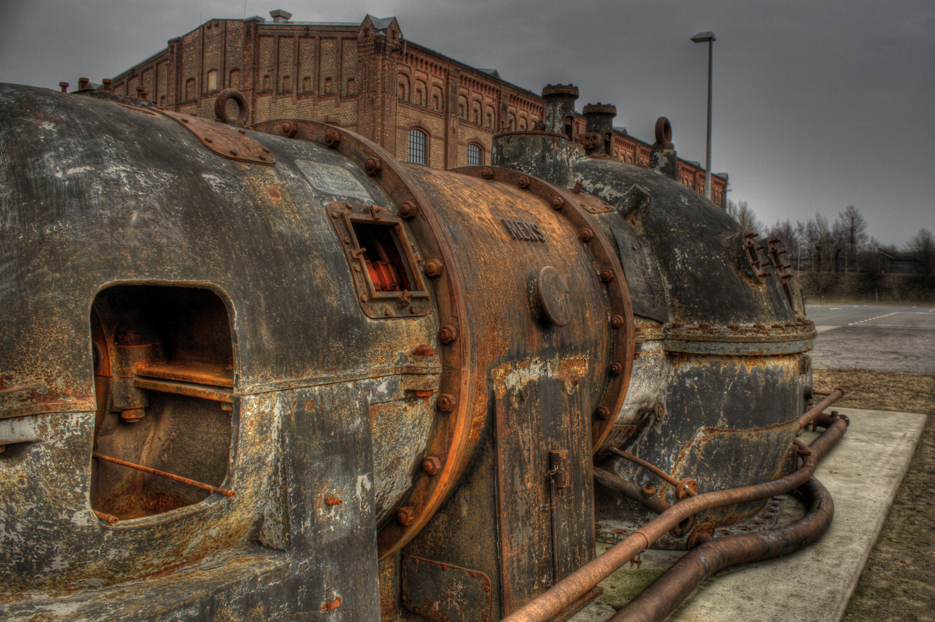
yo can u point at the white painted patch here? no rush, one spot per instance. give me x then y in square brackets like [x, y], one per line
[520, 377]
[81, 518]
[363, 482]
[333, 180]
[48, 126]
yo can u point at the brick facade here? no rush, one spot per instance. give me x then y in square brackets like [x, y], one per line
[363, 77]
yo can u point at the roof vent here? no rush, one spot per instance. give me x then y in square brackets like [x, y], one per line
[280, 17]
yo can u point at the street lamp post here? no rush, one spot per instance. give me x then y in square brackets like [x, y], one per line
[708, 37]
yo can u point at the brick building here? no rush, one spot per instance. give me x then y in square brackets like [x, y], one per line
[418, 104]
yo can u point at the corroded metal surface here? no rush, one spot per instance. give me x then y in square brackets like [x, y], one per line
[259, 373]
[444, 592]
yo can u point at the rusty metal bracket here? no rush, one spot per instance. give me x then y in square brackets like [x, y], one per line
[444, 592]
[222, 139]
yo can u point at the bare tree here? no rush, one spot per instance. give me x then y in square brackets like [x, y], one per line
[819, 241]
[922, 246]
[785, 233]
[851, 228]
[744, 214]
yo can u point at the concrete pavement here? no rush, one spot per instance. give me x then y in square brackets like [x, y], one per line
[884, 337]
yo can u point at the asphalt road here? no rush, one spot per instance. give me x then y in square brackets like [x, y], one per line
[886, 337]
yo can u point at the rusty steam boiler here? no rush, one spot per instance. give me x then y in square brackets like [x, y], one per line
[272, 373]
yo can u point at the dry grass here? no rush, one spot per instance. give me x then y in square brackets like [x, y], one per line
[899, 581]
[879, 390]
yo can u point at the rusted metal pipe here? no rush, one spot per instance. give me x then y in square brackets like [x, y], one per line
[177, 478]
[618, 484]
[812, 413]
[675, 584]
[652, 468]
[107, 518]
[560, 596]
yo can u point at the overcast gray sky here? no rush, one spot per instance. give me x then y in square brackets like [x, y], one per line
[817, 104]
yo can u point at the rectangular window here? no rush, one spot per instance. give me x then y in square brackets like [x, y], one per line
[474, 157]
[417, 147]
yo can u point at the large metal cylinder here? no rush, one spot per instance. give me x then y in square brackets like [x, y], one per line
[279, 370]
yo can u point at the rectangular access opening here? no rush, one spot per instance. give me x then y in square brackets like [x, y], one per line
[384, 257]
[164, 380]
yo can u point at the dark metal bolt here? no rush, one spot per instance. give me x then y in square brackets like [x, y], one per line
[208, 139]
[233, 152]
[616, 368]
[607, 275]
[586, 234]
[404, 516]
[617, 321]
[676, 325]
[486, 173]
[733, 327]
[373, 166]
[648, 490]
[434, 267]
[432, 465]
[759, 326]
[330, 499]
[523, 182]
[448, 333]
[602, 413]
[558, 203]
[687, 487]
[408, 210]
[332, 138]
[704, 325]
[446, 402]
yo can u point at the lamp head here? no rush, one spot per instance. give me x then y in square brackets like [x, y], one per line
[704, 37]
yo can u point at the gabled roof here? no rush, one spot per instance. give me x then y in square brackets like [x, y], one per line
[380, 23]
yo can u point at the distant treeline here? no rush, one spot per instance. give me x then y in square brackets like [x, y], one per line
[842, 246]
[866, 287]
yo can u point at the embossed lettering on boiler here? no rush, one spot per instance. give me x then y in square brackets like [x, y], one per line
[523, 231]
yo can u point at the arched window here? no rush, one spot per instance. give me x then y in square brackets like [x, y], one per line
[418, 143]
[234, 81]
[475, 157]
[190, 89]
[212, 80]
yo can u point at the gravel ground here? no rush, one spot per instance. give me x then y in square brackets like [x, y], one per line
[899, 581]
